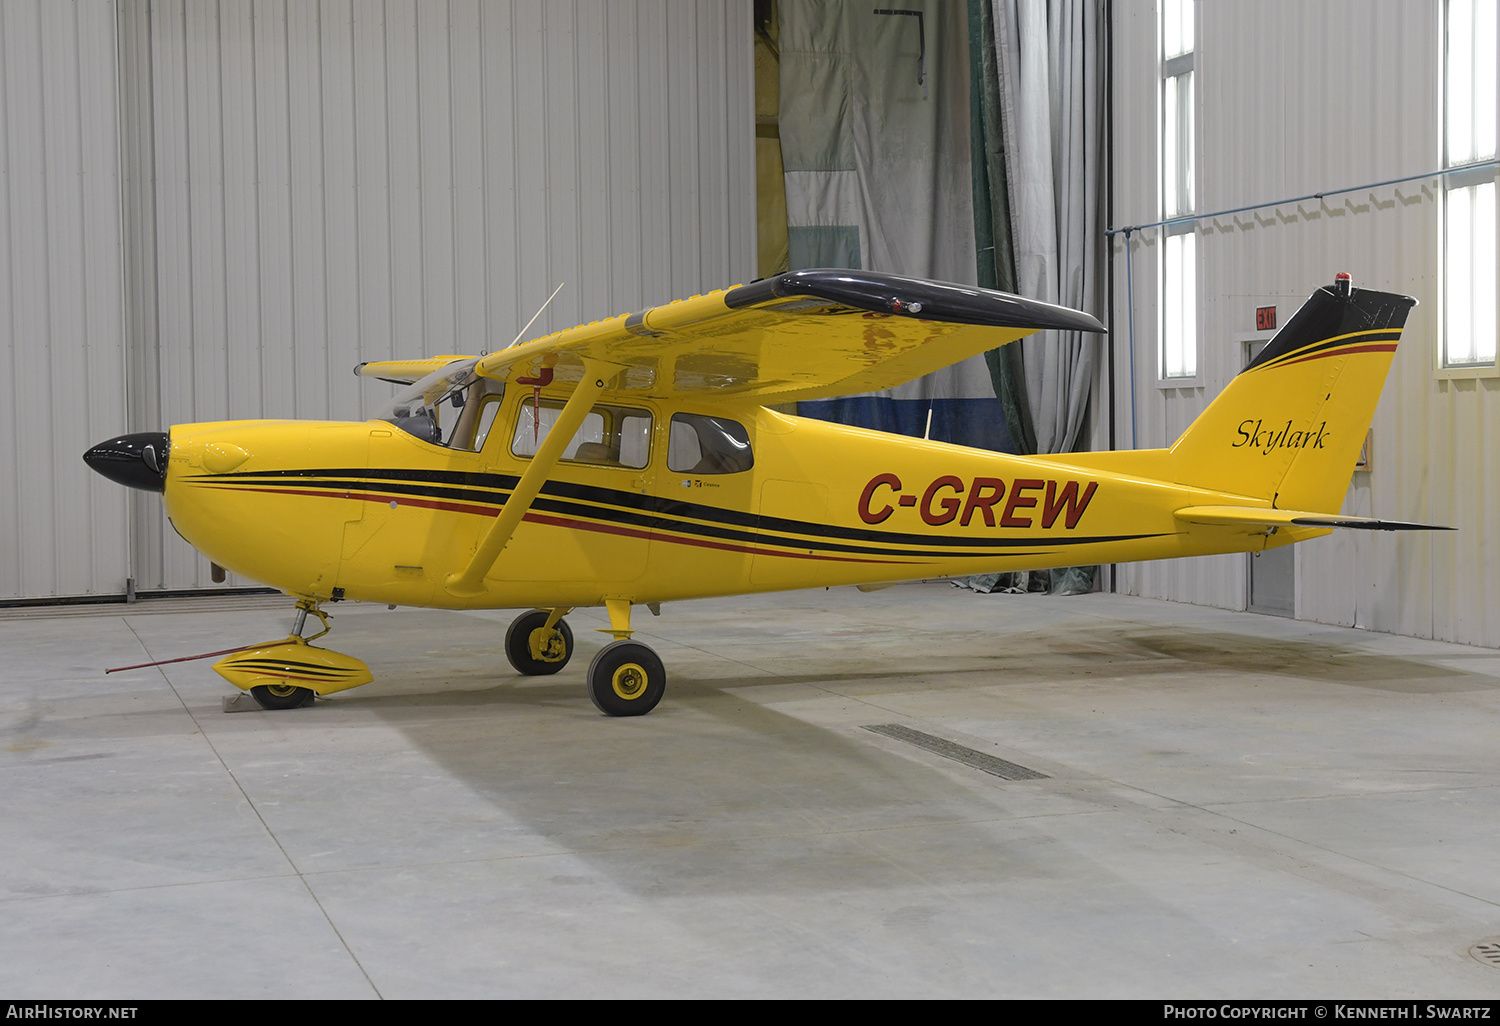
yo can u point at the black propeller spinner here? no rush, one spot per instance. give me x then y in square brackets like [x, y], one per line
[136, 461]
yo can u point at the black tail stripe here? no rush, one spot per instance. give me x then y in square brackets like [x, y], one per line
[1338, 343]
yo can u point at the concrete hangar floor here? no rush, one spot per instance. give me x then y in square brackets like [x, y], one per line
[1219, 805]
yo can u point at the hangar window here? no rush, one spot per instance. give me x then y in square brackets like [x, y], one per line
[611, 436]
[708, 445]
[1178, 265]
[1469, 214]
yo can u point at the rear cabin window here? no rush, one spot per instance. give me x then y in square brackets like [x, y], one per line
[708, 445]
[610, 436]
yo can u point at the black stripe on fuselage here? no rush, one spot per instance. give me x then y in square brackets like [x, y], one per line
[653, 513]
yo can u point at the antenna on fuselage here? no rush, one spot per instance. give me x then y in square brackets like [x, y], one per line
[534, 316]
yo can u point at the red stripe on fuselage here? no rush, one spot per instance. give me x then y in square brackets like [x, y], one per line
[580, 525]
[584, 525]
[384, 500]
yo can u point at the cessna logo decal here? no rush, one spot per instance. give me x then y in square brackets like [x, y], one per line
[1254, 436]
[949, 498]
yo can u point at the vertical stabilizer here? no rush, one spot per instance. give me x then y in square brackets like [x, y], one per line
[1289, 427]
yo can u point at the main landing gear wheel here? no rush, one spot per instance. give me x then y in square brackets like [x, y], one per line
[531, 651]
[626, 679]
[281, 696]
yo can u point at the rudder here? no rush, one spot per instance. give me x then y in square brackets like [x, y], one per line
[1289, 427]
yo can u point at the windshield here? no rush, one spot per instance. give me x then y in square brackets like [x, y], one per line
[433, 408]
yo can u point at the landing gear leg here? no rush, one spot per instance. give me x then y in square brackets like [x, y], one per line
[285, 695]
[626, 678]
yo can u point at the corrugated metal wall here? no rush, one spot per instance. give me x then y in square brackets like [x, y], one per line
[61, 324]
[308, 185]
[1296, 99]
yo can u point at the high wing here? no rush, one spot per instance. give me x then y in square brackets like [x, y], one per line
[801, 335]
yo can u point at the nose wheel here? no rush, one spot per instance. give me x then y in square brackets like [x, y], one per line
[281, 696]
[626, 679]
[291, 673]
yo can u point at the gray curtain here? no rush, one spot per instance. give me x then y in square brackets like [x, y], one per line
[994, 253]
[1036, 124]
[874, 123]
[1049, 56]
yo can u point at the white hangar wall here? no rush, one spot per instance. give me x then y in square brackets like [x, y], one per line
[1297, 99]
[61, 299]
[307, 185]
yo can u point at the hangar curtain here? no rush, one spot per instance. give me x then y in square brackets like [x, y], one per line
[1049, 63]
[1036, 115]
[874, 122]
[963, 144]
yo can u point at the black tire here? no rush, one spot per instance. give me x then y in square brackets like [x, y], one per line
[626, 679]
[281, 696]
[518, 644]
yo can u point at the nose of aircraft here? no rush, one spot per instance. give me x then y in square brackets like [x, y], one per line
[135, 461]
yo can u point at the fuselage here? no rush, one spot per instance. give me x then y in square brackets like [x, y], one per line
[370, 511]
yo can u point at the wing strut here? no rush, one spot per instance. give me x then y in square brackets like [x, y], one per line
[596, 375]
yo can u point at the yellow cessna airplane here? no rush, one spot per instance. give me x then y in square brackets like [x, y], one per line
[633, 461]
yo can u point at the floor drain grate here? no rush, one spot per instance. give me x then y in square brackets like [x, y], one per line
[957, 752]
[1487, 951]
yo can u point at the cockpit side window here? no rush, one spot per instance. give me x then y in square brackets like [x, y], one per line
[480, 403]
[708, 445]
[452, 406]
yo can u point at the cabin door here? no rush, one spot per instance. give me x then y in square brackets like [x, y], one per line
[591, 521]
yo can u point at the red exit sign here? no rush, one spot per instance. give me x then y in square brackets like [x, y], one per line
[1265, 318]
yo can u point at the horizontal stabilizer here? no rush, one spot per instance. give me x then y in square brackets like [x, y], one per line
[1261, 516]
